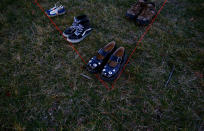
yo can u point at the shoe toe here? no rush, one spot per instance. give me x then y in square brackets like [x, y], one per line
[94, 65]
[106, 73]
[142, 21]
[130, 15]
[72, 36]
[146, 22]
[48, 12]
[138, 21]
[68, 31]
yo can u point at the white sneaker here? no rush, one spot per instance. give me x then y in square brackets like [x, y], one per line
[56, 10]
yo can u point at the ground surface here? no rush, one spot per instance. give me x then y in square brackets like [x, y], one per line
[41, 85]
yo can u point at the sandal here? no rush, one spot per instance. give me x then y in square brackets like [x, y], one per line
[97, 63]
[147, 14]
[115, 64]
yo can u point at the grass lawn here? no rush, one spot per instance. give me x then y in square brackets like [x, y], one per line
[41, 85]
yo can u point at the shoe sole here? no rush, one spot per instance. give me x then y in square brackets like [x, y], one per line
[57, 14]
[65, 35]
[78, 40]
[115, 76]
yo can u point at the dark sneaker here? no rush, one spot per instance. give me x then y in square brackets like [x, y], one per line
[114, 66]
[147, 14]
[77, 20]
[80, 33]
[97, 62]
[135, 9]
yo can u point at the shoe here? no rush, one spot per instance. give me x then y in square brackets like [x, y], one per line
[147, 14]
[77, 20]
[56, 10]
[114, 66]
[97, 63]
[135, 9]
[80, 33]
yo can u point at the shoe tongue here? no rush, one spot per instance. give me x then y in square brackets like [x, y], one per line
[75, 19]
[58, 4]
[53, 8]
[149, 5]
[142, 1]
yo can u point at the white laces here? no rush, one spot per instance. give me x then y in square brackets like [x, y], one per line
[57, 5]
[74, 24]
[79, 29]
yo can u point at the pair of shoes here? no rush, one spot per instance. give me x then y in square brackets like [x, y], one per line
[79, 29]
[58, 9]
[109, 61]
[142, 12]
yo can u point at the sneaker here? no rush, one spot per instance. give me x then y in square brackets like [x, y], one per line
[80, 33]
[58, 9]
[135, 9]
[114, 66]
[147, 14]
[97, 62]
[77, 20]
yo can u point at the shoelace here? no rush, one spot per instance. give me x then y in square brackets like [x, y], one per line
[79, 30]
[74, 24]
[53, 8]
[57, 5]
